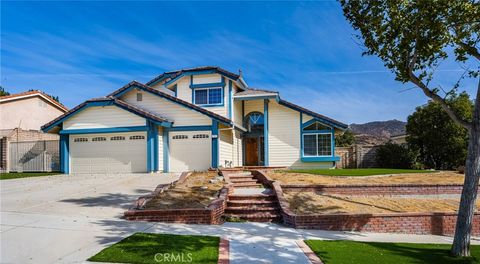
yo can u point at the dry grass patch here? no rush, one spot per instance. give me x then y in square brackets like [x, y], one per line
[442, 177]
[196, 192]
[311, 203]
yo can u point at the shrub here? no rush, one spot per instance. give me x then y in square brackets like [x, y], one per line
[395, 156]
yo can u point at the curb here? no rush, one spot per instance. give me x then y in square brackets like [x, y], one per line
[312, 257]
[224, 251]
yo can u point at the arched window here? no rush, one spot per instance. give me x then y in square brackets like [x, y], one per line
[254, 121]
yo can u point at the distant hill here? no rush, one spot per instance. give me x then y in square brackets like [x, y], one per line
[377, 132]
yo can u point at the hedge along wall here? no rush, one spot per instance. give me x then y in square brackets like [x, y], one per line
[211, 215]
[438, 223]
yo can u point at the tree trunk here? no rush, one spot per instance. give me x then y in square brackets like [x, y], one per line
[461, 241]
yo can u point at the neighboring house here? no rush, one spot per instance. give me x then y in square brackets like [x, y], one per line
[28, 110]
[21, 116]
[192, 119]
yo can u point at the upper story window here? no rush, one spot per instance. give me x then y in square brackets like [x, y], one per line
[208, 96]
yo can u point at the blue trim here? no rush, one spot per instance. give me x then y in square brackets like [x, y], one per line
[247, 98]
[64, 154]
[215, 144]
[317, 159]
[186, 74]
[208, 86]
[103, 130]
[265, 132]
[316, 131]
[230, 102]
[191, 128]
[152, 147]
[325, 121]
[166, 148]
[313, 120]
[103, 103]
[160, 94]
[301, 135]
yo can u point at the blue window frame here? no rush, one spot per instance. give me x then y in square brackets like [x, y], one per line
[208, 96]
[317, 140]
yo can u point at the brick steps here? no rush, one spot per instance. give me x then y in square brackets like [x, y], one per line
[256, 217]
[247, 185]
[256, 203]
[251, 207]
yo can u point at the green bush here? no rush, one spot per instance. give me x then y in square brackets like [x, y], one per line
[395, 156]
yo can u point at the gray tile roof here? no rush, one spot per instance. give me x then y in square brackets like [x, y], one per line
[167, 76]
[251, 91]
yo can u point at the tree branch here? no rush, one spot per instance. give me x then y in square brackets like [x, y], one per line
[470, 50]
[435, 97]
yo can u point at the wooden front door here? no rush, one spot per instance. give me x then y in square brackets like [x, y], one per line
[251, 151]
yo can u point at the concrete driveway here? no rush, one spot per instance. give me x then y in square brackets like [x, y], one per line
[66, 218]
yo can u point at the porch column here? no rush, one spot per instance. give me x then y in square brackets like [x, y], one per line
[265, 131]
[215, 144]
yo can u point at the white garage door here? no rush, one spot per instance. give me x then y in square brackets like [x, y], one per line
[190, 151]
[108, 153]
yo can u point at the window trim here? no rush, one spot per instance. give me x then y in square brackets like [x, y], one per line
[194, 99]
[316, 133]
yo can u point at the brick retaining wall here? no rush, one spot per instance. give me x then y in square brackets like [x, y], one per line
[437, 223]
[210, 215]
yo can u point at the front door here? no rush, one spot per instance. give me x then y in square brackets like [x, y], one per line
[251, 151]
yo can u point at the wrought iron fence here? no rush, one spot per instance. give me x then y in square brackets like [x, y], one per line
[42, 155]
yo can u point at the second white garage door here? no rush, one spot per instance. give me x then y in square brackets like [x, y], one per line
[190, 151]
[108, 153]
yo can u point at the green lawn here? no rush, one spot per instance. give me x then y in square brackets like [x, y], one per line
[346, 252]
[357, 172]
[161, 248]
[16, 175]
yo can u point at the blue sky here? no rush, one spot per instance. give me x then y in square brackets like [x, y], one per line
[305, 50]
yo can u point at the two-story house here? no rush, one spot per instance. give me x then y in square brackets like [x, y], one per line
[192, 119]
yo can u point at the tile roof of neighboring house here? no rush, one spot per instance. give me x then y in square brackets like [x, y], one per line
[114, 101]
[29, 94]
[172, 98]
[250, 91]
[170, 75]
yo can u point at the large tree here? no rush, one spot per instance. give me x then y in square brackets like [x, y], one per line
[440, 142]
[412, 38]
[3, 92]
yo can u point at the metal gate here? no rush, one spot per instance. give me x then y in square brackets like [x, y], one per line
[40, 155]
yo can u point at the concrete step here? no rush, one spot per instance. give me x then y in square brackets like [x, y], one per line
[236, 174]
[256, 217]
[244, 181]
[252, 202]
[247, 185]
[251, 210]
[256, 197]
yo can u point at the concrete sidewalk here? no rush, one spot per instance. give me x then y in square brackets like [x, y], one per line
[67, 219]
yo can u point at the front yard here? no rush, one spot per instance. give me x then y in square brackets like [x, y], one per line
[419, 177]
[312, 203]
[17, 175]
[351, 252]
[161, 248]
[357, 172]
[198, 190]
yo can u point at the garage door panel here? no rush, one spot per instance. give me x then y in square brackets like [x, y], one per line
[189, 151]
[109, 156]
